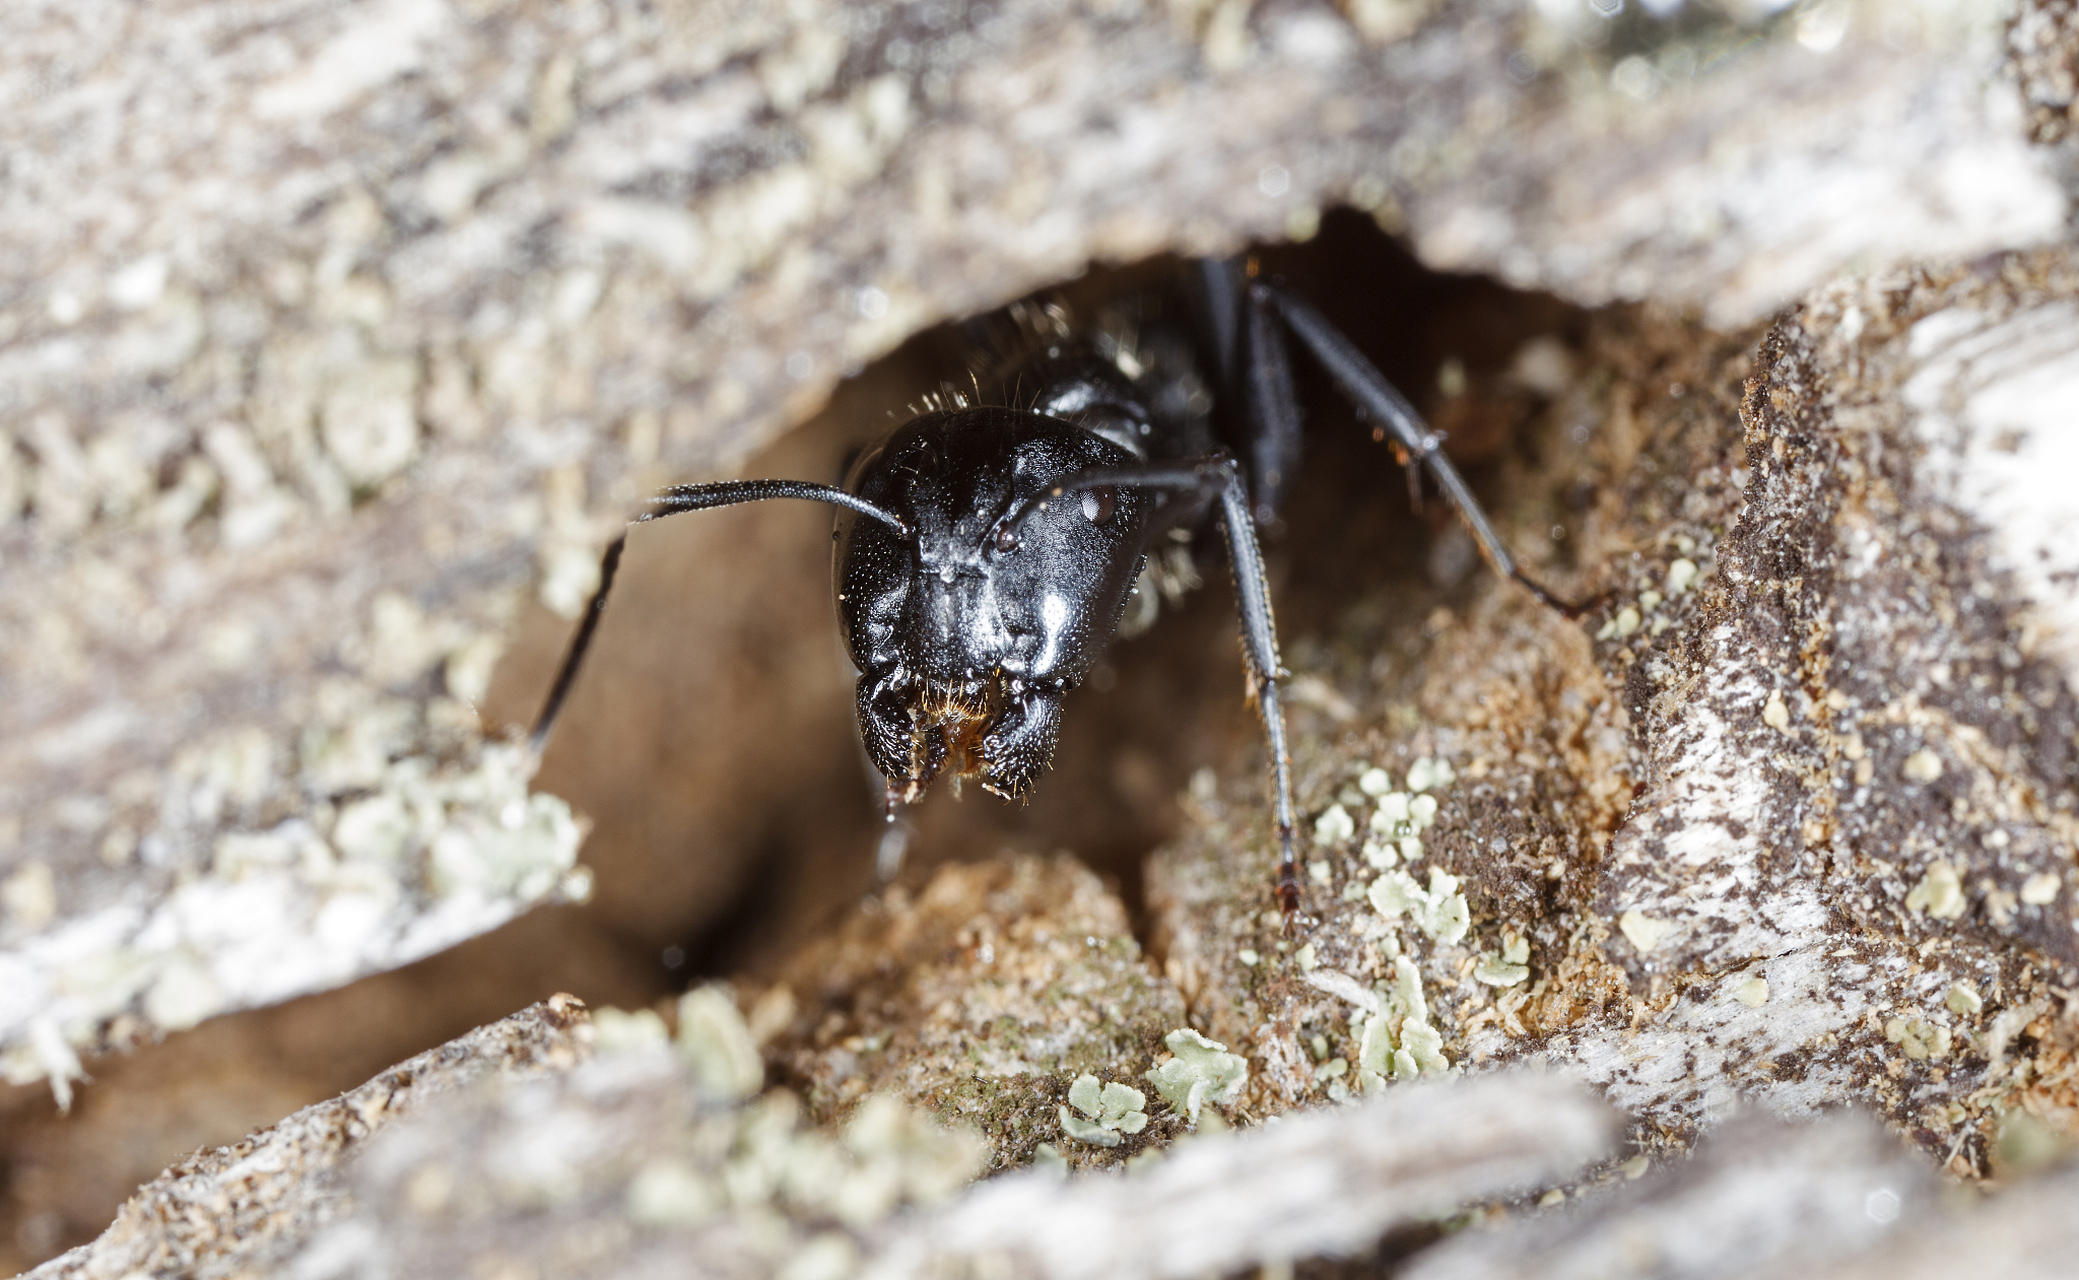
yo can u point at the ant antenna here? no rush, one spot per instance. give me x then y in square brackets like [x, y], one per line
[675, 501]
[1204, 474]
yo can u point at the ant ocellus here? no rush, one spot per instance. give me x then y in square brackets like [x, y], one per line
[987, 547]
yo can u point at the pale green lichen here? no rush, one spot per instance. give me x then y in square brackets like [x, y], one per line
[184, 994]
[1200, 1071]
[1113, 1111]
[2040, 890]
[1917, 1038]
[667, 1192]
[1625, 622]
[1397, 1042]
[1940, 893]
[2026, 1144]
[1426, 773]
[1643, 930]
[750, 1160]
[1774, 713]
[435, 854]
[1752, 992]
[1508, 967]
[1402, 816]
[1963, 999]
[1334, 826]
[1439, 911]
[829, 1256]
[30, 896]
[619, 1031]
[1923, 767]
[717, 1045]
[1391, 818]
[908, 1155]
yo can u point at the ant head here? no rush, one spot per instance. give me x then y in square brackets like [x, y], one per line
[969, 627]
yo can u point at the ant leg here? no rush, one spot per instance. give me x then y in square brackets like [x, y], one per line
[1260, 654]
[574, 657]
[1220, 475]
[1258, 408]
[1218, 295]
[1368, 389]
[1272, 409]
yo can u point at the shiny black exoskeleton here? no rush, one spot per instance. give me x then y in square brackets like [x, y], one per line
[967, 634]
[986, 550]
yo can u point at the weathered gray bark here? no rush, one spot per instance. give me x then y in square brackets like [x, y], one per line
[332, 337]
[331, 332]
[517, 1151]
[1828, 1198]
[252, 1207]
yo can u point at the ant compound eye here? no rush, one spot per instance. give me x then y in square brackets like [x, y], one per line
[1006, 541]
[1099, 503]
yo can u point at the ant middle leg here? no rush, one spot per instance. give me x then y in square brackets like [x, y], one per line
[1414, 443]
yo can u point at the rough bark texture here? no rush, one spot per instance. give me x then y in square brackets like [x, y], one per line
[633, 1163]
[981, 1001]
[251, 1207]
[1801, 830]
[1829, 1198]
[329, 331]
[518, 1152]
[331, 337]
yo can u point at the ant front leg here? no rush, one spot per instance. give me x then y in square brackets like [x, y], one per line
[1216, 475]
[574, 657]
[1260, 653]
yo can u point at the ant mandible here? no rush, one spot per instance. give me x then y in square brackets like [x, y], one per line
[986, 547]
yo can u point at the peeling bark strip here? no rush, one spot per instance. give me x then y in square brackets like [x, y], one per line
[251, 1207]
[1761, 1198]
[518, 1150]
[589, 1197]
[327, 332]
[1820, 1201]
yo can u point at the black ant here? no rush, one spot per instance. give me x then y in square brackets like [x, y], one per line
[986, 548]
